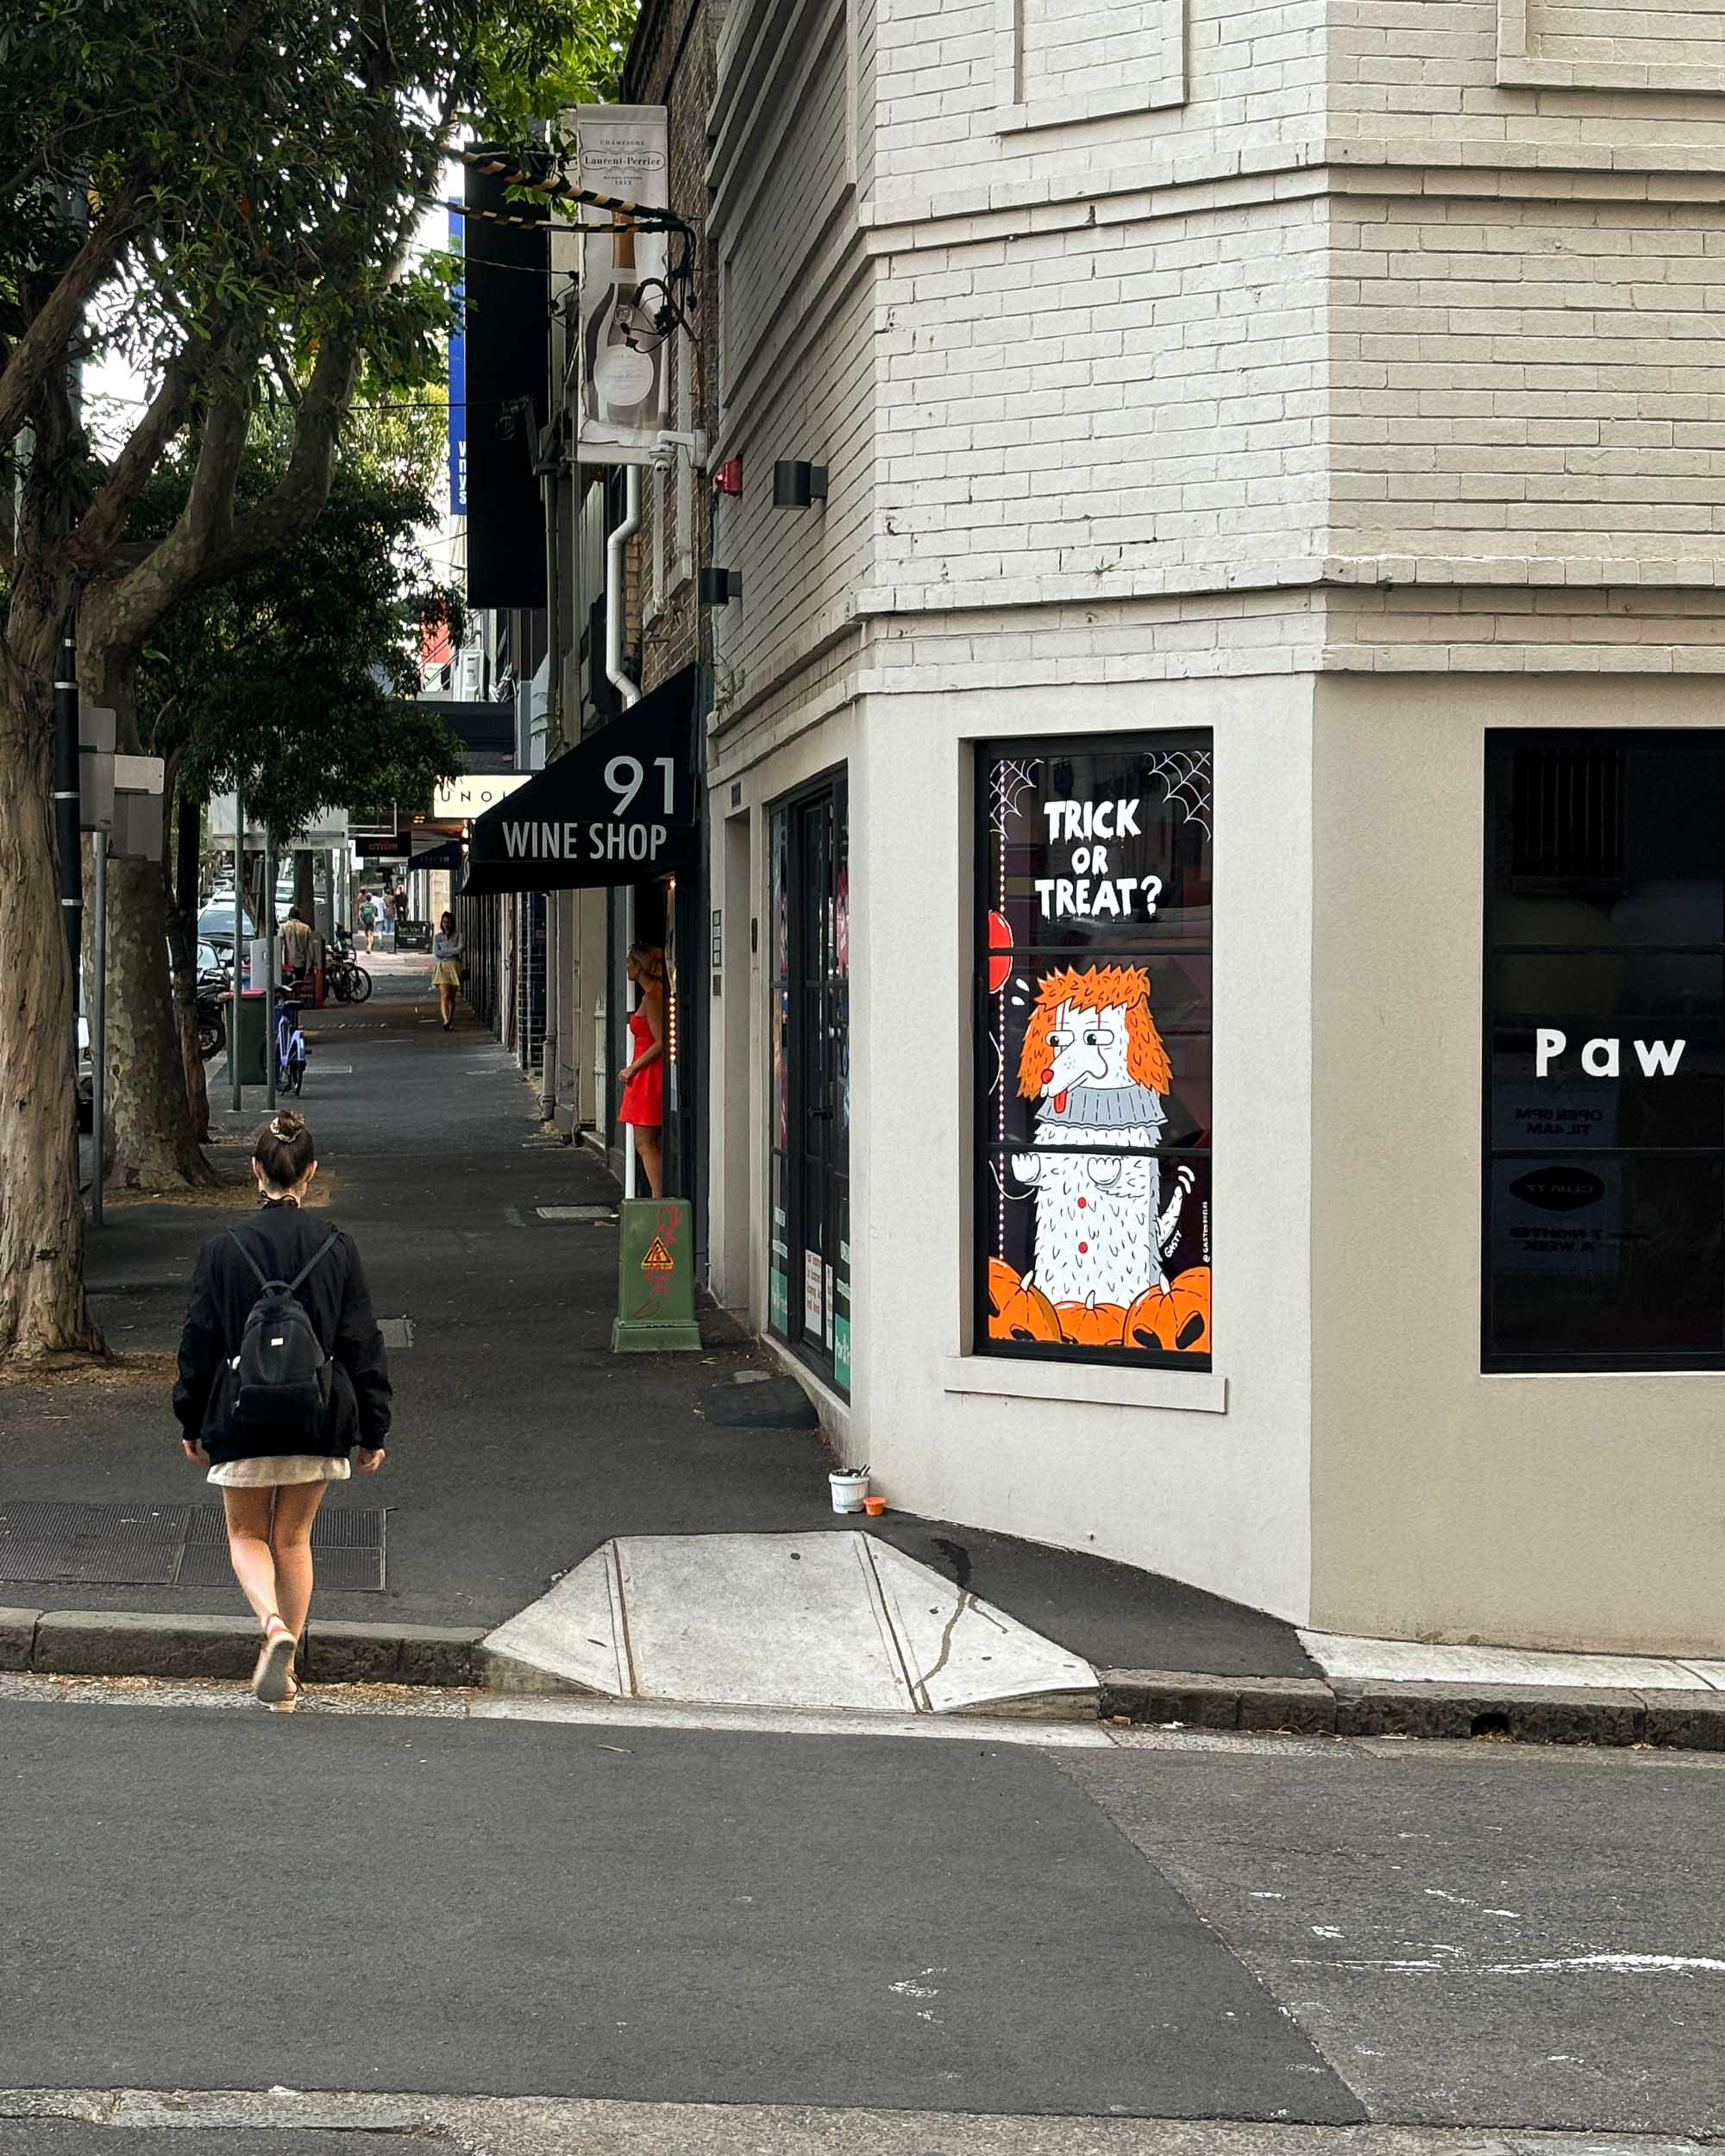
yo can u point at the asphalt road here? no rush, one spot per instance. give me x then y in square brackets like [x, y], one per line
[1471, 1936]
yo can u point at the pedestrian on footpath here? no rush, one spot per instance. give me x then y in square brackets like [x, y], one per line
[368, 921]
[643, 1112]
[297, 940]
[282, 1373]
[446, 965]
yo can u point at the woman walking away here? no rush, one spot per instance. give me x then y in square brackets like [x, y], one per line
[446, 965]
[368, 921]
[282, 1372]
[643, 1076]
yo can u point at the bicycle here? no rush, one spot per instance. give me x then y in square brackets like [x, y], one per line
[346, 979]
[291, 1051]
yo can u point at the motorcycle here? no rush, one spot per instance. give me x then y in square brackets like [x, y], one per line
[212, 1028]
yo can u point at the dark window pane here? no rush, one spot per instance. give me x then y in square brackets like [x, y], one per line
[1614, 1259]
[1608, 839]
[1669, 1089]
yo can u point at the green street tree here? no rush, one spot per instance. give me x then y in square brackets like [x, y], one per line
[228, 190]
[298, 677]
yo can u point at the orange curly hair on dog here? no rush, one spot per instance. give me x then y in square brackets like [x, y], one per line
[1100, 988]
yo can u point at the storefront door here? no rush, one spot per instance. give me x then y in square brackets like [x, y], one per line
[810, 1297]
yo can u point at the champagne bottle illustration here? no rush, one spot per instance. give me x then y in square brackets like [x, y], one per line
[621, 340]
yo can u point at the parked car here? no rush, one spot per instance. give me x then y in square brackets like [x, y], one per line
[86, 1076]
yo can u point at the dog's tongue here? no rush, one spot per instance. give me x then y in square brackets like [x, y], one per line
[1060, 1103]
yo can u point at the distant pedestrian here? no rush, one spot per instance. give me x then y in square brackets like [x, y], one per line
[282, 1372]
[643, 1112]
[368, 921]
[446, 965]
[298, 939]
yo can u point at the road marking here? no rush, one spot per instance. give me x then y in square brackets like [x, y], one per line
[397, 1332]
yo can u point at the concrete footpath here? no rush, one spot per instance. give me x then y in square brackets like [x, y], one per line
[522, 1446]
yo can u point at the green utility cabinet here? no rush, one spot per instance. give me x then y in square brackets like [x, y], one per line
[246, 1037]
[655, 1278]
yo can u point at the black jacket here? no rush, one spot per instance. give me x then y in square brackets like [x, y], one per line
[281, 1237]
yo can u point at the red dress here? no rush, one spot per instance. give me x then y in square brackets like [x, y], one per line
[644, 1096]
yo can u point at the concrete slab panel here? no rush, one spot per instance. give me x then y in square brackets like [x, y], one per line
[759, 1620]
[571, 1635]
[1412, 1660]
[959, 1653]
[1711, 1674]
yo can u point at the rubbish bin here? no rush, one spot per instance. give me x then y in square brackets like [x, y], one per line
[246, 1034]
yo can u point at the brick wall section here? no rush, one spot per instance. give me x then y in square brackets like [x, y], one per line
[799, 377]
[1116, 402]
[1542, 385]
[672, 63]
[1258, 85]
[1418, 80]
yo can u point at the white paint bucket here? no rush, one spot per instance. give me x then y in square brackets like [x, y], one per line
[850, 1487]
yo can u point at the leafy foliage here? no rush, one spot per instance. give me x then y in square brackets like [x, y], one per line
[299, 675]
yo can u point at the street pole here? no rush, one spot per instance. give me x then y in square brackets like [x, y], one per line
[98, 1031]
[239, 939]
[628, 1037]
[270, 969]
[67, 820]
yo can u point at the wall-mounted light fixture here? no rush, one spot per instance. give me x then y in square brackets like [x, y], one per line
[717, 587]
[797, 486]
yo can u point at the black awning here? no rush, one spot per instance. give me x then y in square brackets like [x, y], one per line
[620, 807]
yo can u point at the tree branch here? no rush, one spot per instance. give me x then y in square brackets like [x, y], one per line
[43, 344]
[103, 525]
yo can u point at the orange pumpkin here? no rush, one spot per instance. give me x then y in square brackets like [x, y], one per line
[1175, 1318]
[1091, 1324]
[1003, 1284]
[1025, 1314]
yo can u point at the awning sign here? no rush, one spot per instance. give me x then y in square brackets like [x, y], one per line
[618, 808]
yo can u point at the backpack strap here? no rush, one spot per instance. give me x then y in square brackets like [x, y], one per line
[322, 1250]
[258, 1272]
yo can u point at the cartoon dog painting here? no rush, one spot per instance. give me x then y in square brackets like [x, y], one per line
[1094, 1061]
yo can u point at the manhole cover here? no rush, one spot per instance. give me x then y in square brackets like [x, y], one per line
[49, 1544]
[592, 1216]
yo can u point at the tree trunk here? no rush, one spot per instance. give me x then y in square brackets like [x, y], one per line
[305, 885]
[187, 823]
[42, 1310]
[152, 1140]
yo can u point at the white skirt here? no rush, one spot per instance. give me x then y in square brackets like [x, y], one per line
[274, 1467]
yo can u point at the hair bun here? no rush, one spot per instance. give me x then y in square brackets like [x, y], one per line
[288, 1124]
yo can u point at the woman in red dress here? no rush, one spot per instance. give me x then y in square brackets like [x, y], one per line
[643, 1076]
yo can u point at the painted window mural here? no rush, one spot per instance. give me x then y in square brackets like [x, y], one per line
[1093, 1066]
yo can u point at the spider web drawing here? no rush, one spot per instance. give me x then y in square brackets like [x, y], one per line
[1187, 777]
[1010, 782]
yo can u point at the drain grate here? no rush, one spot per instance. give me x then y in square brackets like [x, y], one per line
[49, 1543]
[91, 1545]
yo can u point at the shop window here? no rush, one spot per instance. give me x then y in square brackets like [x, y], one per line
[1093, 998]
[809, 1254]
[1605, 1201]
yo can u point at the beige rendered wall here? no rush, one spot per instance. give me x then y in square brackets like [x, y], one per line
[1560, 1510]
[1146, 1467]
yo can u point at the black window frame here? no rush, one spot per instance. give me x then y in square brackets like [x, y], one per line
[982, 1148]
[1500, 743]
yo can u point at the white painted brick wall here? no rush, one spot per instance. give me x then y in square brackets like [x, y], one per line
[1541, 382]
[1102, 403]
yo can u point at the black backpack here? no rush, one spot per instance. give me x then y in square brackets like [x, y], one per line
[281, 1376]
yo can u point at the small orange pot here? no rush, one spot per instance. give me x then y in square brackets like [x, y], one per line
[873, 1507]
